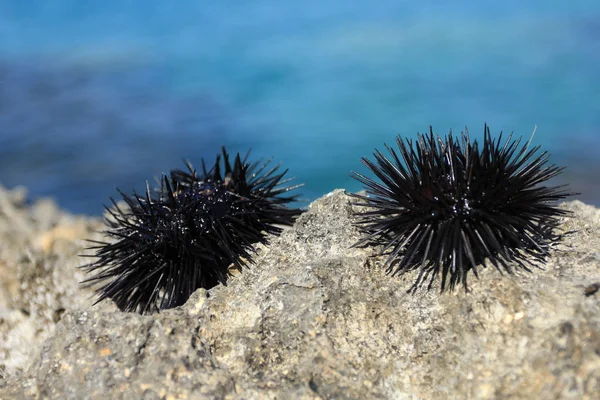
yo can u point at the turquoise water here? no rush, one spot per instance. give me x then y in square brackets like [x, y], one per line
[113, 94]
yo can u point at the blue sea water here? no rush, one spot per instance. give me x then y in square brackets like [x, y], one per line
[98, 95]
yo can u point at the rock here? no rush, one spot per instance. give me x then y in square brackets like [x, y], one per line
[315, 318]
[38, 274]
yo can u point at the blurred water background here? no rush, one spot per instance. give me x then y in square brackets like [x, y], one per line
[98, 95]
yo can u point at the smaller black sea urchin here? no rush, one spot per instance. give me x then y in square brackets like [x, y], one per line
[187, 233]
[446, 205]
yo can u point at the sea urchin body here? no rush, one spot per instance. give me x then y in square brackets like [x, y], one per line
[187, 233]
[445, 205]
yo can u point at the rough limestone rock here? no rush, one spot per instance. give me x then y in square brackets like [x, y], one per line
[39, 247]
[316, 319]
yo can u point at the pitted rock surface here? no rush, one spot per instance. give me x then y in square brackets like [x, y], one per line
[313, 318]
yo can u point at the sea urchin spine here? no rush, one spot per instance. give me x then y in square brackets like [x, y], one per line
[187, 233]
[444, 206]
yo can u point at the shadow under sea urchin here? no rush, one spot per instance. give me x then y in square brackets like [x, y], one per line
[188, 232]
[446, 206]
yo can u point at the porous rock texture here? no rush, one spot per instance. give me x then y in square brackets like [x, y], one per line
[312, 319]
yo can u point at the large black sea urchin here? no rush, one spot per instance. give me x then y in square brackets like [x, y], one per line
[446, 205]
[187, 233]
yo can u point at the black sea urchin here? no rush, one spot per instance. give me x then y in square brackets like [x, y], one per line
[188, 233]
[446, 206]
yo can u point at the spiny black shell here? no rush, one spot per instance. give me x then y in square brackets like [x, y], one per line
[187, 233]
[445, 205]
